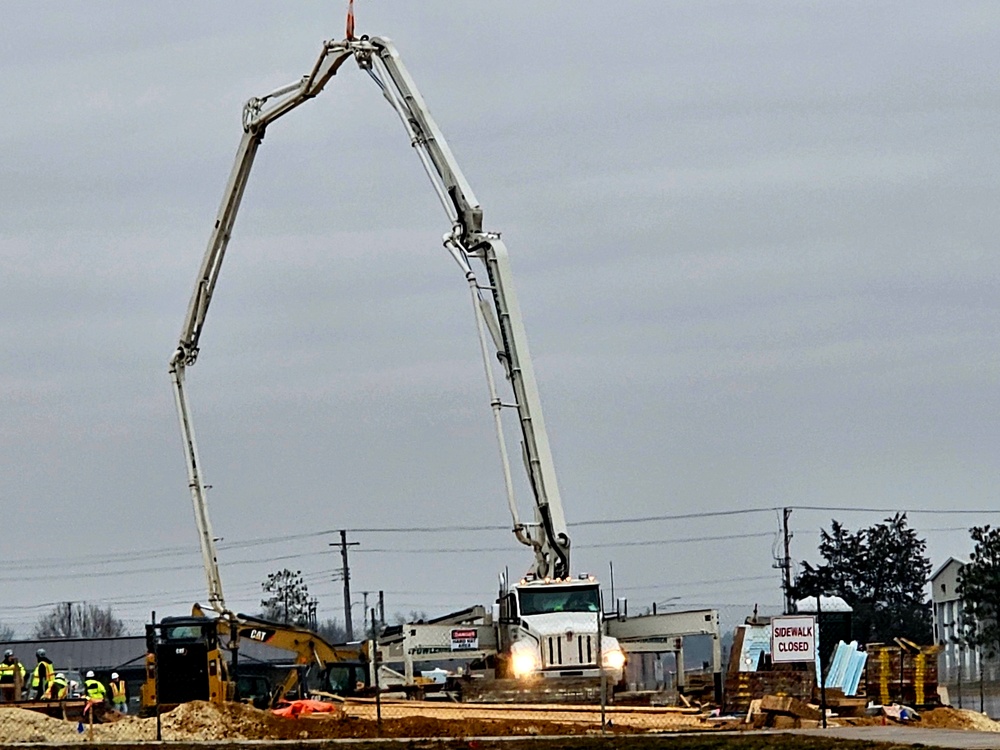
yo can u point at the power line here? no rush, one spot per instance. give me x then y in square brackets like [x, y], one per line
[65, 566]
[155, 553]
[69, 574]
[907, 511]
[602, 545]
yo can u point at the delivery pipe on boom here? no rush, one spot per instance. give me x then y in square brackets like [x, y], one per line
[467, 243]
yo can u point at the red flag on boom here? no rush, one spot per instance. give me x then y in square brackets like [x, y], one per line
[350, 19]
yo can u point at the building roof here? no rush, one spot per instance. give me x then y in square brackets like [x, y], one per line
[109, 654]
[101, 654]
[944, 565]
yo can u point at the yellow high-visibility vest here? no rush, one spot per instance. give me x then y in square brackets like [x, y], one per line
[36, 676]
[95, 690]
[8, 670]
[117, 691]
[56, 689]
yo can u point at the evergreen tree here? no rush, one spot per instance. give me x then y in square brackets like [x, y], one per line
[979, 588]
[881, 572]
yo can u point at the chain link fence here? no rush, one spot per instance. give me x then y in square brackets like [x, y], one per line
[972, 680]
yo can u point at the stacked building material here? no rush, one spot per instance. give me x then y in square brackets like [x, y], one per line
[902, 673]
[846, 667]
[751, 675]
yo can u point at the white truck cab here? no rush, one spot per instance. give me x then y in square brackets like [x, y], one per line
[555, 628]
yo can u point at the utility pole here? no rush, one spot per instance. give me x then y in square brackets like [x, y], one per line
[786, 561]
[381, 608]
[346, 575]
[364, 595]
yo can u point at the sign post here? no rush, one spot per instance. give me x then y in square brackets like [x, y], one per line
[793, 639]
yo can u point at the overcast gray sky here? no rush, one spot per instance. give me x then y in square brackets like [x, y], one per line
[755, 246]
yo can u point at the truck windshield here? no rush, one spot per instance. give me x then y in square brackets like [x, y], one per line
[544, 600]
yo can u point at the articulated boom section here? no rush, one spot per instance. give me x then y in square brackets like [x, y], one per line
[467, 241]
[498, 316]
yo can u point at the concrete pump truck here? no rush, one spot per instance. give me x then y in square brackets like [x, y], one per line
[550, 623]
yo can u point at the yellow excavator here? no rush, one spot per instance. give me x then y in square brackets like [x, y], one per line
[186, 661]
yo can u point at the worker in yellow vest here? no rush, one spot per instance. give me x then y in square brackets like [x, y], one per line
[119, 700]
[12, 676]
[42, 676]
[94, 688]
[57, 689]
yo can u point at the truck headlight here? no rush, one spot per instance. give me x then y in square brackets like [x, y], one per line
[523, 660]
[613, 659]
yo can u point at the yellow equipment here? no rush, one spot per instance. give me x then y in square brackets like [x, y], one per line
[185, 661]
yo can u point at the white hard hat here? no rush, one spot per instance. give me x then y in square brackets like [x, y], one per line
[60, 676]
[90, 673]
[114, 675]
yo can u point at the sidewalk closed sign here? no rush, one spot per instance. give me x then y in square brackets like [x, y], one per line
[793, 639]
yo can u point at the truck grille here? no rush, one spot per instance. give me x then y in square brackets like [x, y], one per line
[568, 650]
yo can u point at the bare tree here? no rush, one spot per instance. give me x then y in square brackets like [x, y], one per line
[333, 631]
[414, 616]
[78, 620]
[6, 632]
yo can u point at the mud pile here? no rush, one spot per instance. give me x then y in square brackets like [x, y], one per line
[957, 718]
[18, 725]
[190, 721]
[232, 721]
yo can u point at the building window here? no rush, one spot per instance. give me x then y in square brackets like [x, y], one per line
[944, 588]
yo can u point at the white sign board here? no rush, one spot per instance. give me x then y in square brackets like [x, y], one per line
[793, 638]
[464, 639]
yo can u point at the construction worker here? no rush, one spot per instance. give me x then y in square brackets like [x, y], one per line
[42, 675]
[12, 676]
[57, 689]
[94, 687]
[119, 700]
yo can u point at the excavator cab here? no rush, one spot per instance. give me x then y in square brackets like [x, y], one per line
[346, 679]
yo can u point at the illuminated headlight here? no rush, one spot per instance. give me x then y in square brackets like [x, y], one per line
[613, 659]
[523, 659]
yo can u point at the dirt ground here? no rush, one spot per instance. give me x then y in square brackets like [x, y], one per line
[941, 718]
[201, 722]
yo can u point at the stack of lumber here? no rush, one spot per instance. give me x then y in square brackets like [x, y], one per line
[902, 673]
[783, 712]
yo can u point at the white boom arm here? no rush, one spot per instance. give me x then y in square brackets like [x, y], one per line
[466, 241]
